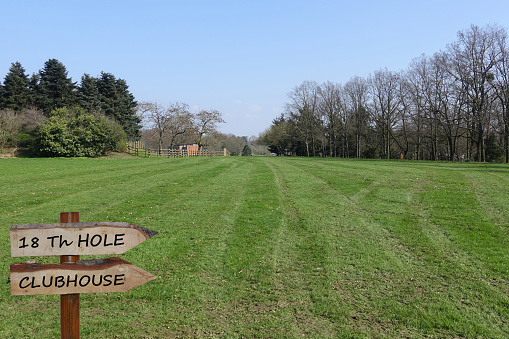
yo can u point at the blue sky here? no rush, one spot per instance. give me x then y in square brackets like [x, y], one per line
[239, 57]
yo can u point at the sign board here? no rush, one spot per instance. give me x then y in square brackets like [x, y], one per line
[84, 276]
[80, 238]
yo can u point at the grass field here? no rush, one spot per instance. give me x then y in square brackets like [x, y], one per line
[276, 247]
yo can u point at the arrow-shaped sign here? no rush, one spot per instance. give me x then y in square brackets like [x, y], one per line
[85, 276]
[80, 238]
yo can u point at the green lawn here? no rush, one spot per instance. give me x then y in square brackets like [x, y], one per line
[275, 247]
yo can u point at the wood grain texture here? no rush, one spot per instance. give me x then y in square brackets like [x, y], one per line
[97, 276]
[81, 238]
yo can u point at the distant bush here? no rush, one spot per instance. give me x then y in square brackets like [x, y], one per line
[118, 134]
[10, 126]
[246, 151]
[71, 132]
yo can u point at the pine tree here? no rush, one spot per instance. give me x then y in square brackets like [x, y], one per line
[34, 91]
[117, 102]
[87, 94]
[127, 108]
[246, 152]
[15, 91]
[55, 88]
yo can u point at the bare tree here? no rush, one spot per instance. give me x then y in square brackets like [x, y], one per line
[206, 123]
[418, 83]
[179, 122]
[332, 110]
[167, 121]
[303, 110]
[31, 119]
[10, 127]
[447, 101]
[142, 109]
[386, 101]
[473, 58]
[357, 92]
[501, 86]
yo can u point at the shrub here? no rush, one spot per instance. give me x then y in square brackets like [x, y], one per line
[246, 152]
[74, 133]
[10, 127]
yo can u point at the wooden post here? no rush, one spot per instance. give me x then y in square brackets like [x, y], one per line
[69, 303]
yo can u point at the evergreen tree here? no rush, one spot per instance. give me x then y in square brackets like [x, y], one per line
[15, 91]
[127, 108]
[246, 152]
[87, 94]
[55, 88]
[117, 102]
[34, 91]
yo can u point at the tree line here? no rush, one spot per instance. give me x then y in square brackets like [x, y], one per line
[453, 105]
[47, 114]
[51, 115]
[174, 124]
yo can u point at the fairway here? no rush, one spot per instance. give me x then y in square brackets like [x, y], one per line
[276, 247]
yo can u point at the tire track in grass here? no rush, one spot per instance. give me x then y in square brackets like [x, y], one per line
[191, 219]
[440, 261]
[230, 264]
[492, 190]
[471, 262]
[201, 265]
[456, 205]
[437, 261]
[67, 180]
[382, 232]
[365, 262]
[249, 295]
[302, 251]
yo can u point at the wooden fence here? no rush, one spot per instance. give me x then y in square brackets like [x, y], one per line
[174, 153]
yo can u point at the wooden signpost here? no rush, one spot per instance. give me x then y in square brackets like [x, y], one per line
[80, 238]
[85, 276]
[70, 239]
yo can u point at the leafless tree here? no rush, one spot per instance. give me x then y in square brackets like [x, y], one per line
[156, 117]
[418, 83]
[333, 113]
[356, 90]
[206, 123]
[303, 109]
[180, 121]
[473, 58]
[447, 102]
[31, 119]
[386, 103]
[167, 122]
[501, 87]
[10, 126]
